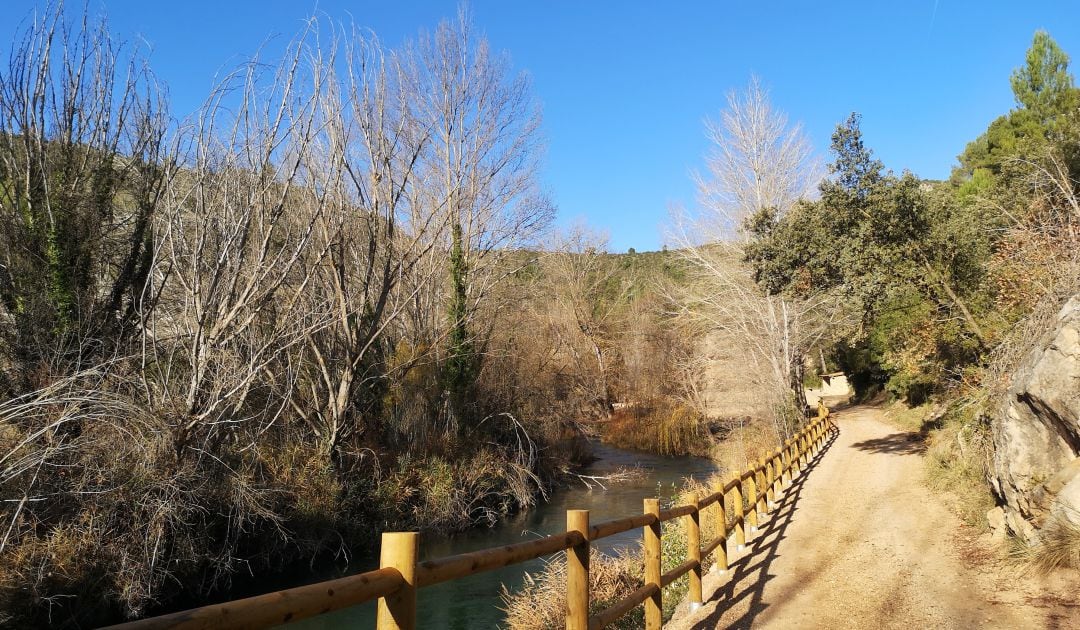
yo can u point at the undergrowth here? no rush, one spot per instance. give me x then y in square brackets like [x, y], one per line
[540, 604]
[662, 427]
[1057, 546]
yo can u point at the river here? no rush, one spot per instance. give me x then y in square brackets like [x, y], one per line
[474, 602]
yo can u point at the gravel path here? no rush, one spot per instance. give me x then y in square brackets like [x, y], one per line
[859, 542]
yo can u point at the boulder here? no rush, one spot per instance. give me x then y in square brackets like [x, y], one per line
[1066, 504]
[996, 519]
[1036, 470]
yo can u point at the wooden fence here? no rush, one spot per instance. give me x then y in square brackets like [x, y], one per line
[737, 505]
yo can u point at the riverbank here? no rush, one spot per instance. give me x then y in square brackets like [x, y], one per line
[475, 601]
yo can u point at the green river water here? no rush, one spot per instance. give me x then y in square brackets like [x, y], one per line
[474, 602]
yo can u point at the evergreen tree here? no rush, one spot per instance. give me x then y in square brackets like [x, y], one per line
[1043, 84]
[1045, 96]
[855, 171]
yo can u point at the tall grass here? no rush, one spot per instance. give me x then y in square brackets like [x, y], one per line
[664, 427]
[540, 604]
[1058, 546]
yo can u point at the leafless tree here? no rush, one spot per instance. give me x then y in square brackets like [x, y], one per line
[235, 258]
[589, 298]
[84, 160]
[377, 227]
[481, 173]
[768, 335]
[759, 162]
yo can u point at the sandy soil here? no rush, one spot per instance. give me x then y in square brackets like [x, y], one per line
[859, 542]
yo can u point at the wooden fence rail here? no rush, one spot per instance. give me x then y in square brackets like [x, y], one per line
[395, 583]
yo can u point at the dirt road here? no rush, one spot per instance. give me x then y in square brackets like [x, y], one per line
[859, 542]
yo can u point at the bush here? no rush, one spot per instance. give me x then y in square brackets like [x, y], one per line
[666, 428]
[540, 603]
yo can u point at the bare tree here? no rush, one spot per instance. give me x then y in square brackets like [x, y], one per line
[769, 335]
[368, 171]
[235, 259]
[587, 295]
[759, 163]
[482, 175]
[84, 159]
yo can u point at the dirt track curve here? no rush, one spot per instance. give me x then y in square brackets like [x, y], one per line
[859, 542]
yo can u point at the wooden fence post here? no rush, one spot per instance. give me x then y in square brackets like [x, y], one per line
[785, 465]
[740, 520]
[721, 563]
[693, 550]
[762, 486]
[654, 607]
[577, 572]
[751, 500]
[770, 479]
[397, 611]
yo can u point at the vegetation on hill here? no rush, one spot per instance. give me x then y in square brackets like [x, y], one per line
[946, 284]
[330, 302]
[327, 304]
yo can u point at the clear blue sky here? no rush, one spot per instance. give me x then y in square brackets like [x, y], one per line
[625, 86]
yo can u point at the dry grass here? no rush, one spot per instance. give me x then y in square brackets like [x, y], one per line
[1057, 547]
[910, 418]
[957, 463]
[438, 493]
[112, 522]
[666, 428]
[540, 603]
[746, 442]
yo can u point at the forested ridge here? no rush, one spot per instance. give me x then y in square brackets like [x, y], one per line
[332, 302]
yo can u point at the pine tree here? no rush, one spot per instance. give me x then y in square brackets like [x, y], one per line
[1043, 84]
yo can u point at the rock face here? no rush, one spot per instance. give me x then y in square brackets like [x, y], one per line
[1037, 432]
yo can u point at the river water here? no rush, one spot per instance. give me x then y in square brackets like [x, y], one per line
[474, 602]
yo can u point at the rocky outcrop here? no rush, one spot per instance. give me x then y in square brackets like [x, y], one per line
[1037, 432]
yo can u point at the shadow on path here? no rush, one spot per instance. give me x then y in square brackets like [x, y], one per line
[906, 443]
[750, 572]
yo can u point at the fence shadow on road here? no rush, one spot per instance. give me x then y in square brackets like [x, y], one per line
[749, 574]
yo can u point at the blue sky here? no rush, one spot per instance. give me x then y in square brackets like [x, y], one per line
[625, 86]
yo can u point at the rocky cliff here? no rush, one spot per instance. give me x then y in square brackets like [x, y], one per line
[1036, 468]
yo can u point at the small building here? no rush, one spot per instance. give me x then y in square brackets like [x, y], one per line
[834, 388]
